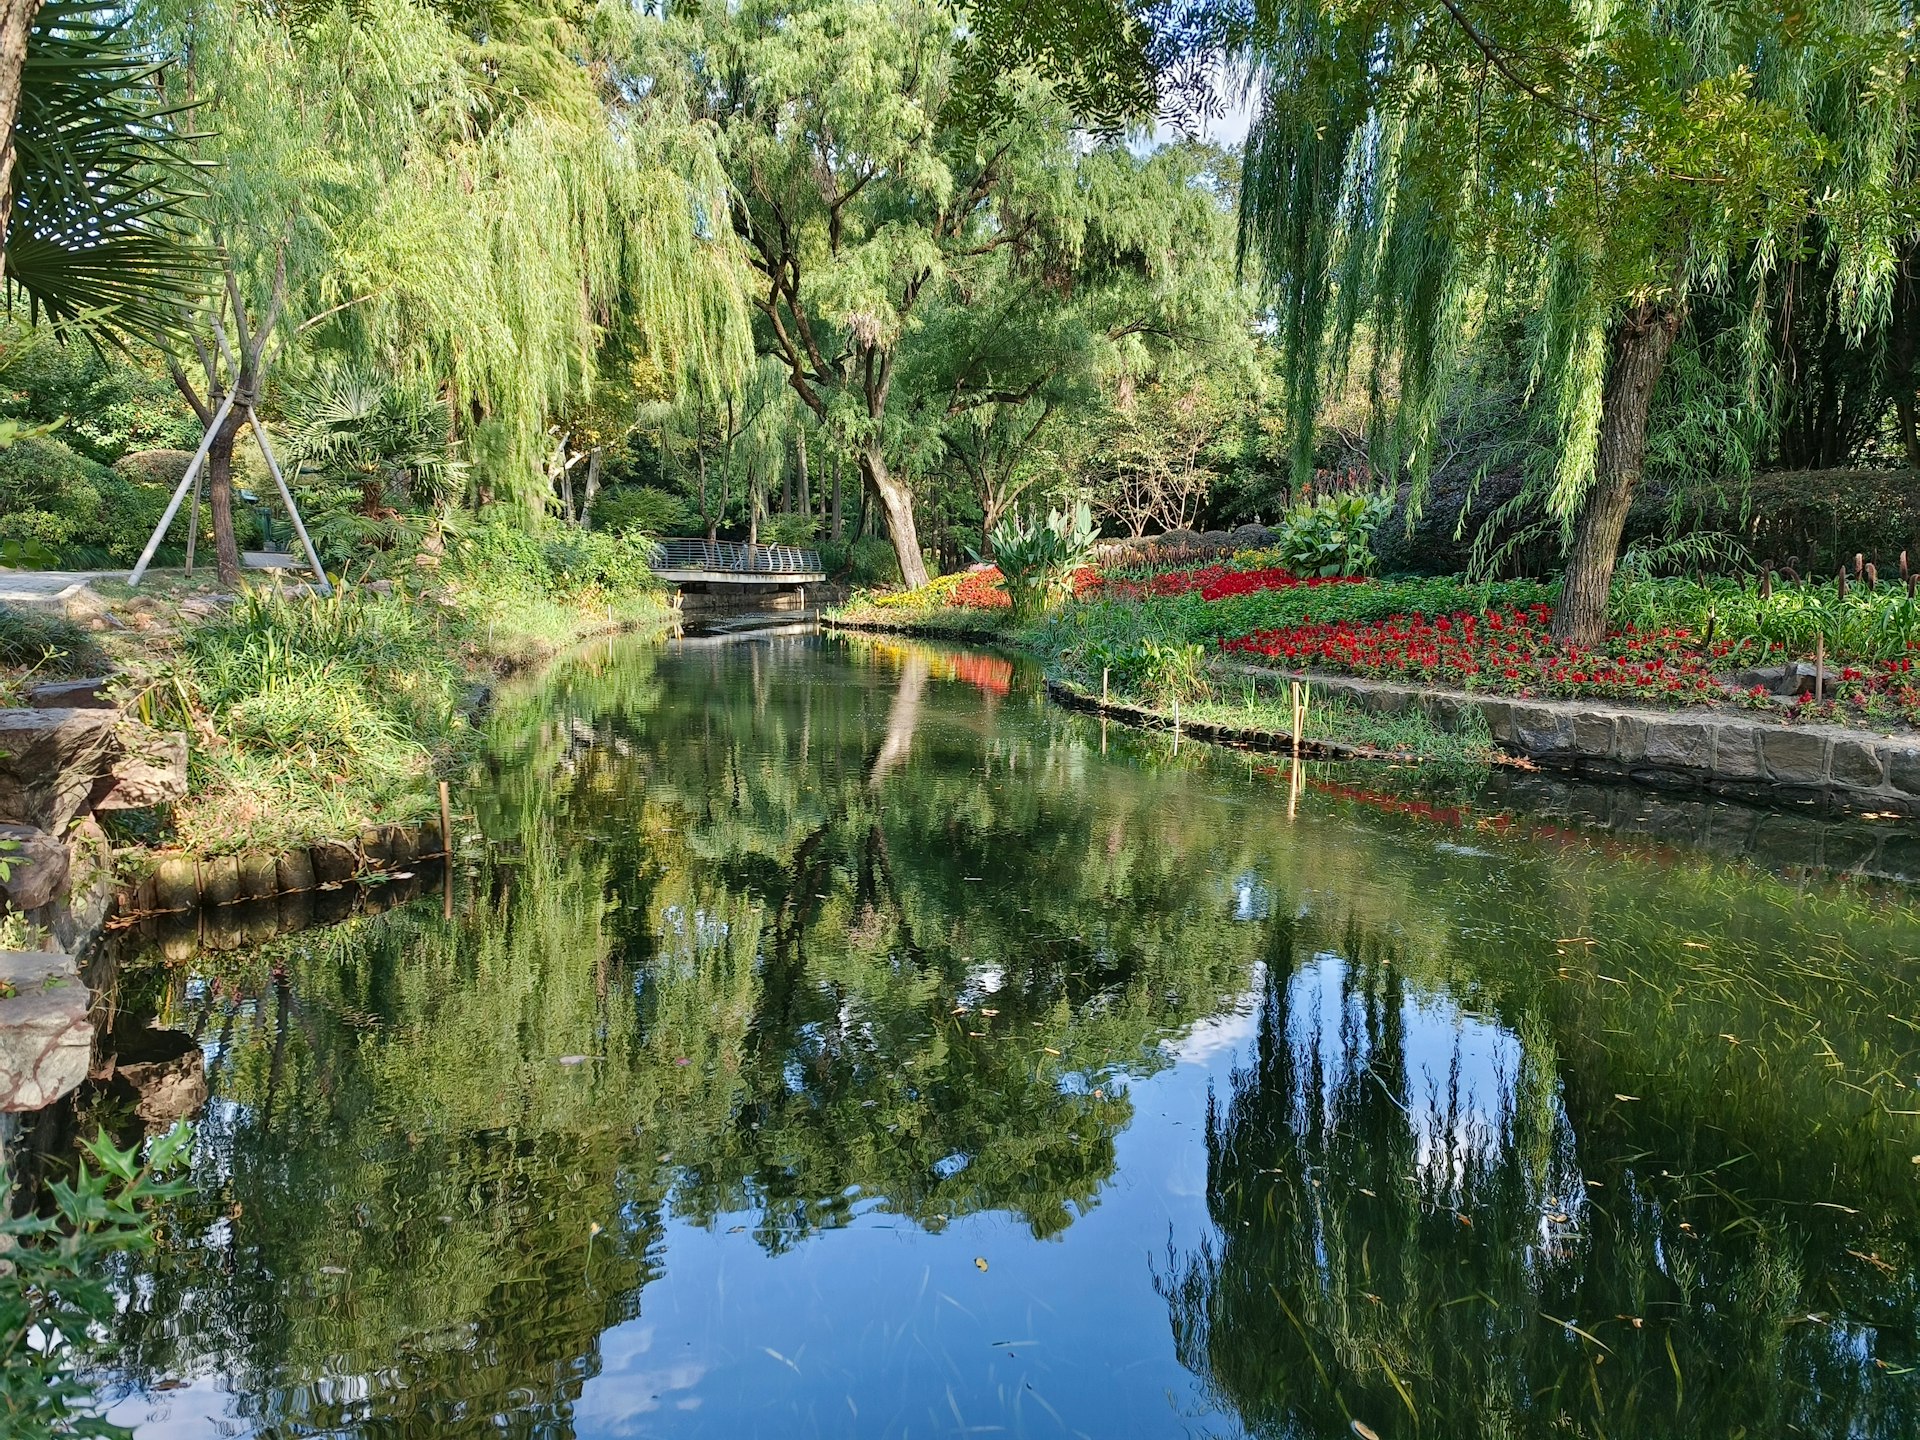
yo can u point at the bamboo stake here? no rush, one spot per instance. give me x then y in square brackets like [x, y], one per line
[286, 496]
[1103, 684]
[193, 523]
[446, 862]
[180, 491]
[1819, 666]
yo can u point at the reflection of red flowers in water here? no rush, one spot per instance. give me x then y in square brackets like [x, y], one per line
[984, 672]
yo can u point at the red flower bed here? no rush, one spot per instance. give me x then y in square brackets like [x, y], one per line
[1213, 582]
[981, 590]
[1497, 650]
[984, 589]
[1512, 651]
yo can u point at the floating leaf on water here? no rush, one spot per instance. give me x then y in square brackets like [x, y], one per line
[1626, 1097]
[980, 1262]
[1363, 1430]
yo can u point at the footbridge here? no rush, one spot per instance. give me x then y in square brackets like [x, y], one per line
[728, 571]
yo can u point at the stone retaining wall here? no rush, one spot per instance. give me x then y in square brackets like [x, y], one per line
[1829, 766]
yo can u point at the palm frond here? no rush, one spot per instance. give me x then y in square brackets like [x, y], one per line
[99, 231]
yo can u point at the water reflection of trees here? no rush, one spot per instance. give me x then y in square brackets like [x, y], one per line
[1421, 1228]
[716, 964]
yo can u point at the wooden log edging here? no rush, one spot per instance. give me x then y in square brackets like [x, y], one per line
[179, 883]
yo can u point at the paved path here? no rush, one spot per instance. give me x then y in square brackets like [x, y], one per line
[30, 586]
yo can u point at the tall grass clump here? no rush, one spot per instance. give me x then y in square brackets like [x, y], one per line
[522, 593]
[316, 714]
[44, 644]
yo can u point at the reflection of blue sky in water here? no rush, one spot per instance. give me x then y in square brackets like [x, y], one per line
[1456, 1088]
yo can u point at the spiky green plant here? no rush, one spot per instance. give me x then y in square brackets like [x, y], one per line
[98, 234]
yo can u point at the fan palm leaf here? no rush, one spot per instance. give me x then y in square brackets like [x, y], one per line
[99, 234]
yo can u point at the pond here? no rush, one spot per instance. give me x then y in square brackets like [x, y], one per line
[832, 1038]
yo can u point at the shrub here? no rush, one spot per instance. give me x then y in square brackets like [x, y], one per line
[56, 1299]
[1037, 560]
[789, 530]
[868, 561]
[1332, 535]
[646, 509]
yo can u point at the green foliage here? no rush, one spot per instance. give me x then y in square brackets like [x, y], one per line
[490, 211]
[1037, 558]
[99, 236]
[64, 509]
[645, 508]
[45, 643]
[104, 402]
[558, 562]
[330, 712]
[789, 530]
[1868, 623]
[869, 561]
[1332, 534]
[56, 1299]
[354, 427]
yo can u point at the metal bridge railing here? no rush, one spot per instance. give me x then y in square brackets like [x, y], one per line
[731, 557]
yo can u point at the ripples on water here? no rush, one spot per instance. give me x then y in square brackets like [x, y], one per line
[832, 1039]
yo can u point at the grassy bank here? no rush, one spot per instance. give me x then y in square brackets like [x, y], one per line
[1671, 642]
[312, 717]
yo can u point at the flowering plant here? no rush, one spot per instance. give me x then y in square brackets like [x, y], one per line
[1512, 651]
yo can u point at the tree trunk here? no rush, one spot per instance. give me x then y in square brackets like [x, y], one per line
[896, 507]
[594, 458]
[800, 472]
[220, 496]
[16, 18]
[836, 530]
[1641, 343]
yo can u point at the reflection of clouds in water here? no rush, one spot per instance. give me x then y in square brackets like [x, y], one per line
[634, 1382]
[1458, 1080]
[1227, 1032]
[982, 981]
[1251, 898]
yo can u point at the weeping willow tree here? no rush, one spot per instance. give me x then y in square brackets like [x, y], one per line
[1420, 164]
[484, 210]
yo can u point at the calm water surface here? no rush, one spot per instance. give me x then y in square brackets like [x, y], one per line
[833, 1039]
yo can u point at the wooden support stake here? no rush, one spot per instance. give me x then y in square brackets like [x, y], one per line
[180, 491]
[1103, 684]
[321, 583]
[1819, 666]
[446, 849]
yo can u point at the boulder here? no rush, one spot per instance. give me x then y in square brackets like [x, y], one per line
[50, 761]
[151, 769]
[88, 694]
[46, 1040]
[162, 1071]
[36, 866]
